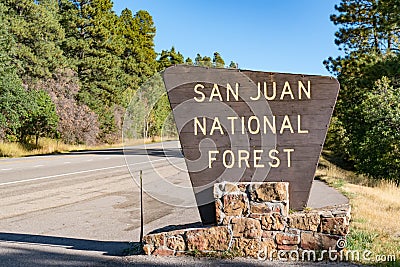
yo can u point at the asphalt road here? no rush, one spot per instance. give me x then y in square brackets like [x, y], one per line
[82, 208]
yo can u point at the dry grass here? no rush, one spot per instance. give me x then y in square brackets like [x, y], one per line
[45, 146]
[375, 204]
[379, 206]
[51, 146]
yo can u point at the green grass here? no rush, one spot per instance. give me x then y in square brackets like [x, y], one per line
[360, 239]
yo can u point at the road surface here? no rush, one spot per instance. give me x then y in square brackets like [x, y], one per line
[82, 208]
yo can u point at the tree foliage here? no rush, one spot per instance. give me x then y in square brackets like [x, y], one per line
[205, 61]
[41, 118]
[69, 68]
[366, 26]
[112, 56]
[95, 47]
[189, 61]
[379, 148]
[38, 33]
[13, 106]
[233, 65]
[367, 29]
[218, 61]
[169, 58]
[13, 97]
[77, 124]
[362, 131]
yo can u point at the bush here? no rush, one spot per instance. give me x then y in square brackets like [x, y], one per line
[337, 140]
[78, 124]
[41, 119]
[379, 150]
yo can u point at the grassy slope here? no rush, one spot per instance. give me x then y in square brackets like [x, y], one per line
[375, 223]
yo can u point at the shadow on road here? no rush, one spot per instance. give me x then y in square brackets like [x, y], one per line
[173, 227]
[155, 152]
[50, 251]
[110, 248]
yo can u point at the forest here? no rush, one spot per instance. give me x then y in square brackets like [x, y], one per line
[68, 69]
[365, 131]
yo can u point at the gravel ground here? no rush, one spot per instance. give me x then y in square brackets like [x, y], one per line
[15, 254]
[192, 261]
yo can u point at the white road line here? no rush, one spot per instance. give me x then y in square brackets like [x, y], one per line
[89, 160]
[78, 172]
[9, 169]
[35, 243]
[37, 166]
[67, 162]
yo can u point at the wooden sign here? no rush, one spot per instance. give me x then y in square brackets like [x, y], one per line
[239, 125]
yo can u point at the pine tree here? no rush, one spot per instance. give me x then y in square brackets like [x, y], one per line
[92, 41]
[145, 54]
[169, 58]
[188, 61]
[35, 27]
[198, 60]
[138, 57]
[7, 42]
[233, 65]
[95, 45]
[369, 36]
[218, 61]
[203, 61]
[365, 26]
[13, 97]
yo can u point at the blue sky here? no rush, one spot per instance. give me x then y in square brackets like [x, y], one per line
[292, 36]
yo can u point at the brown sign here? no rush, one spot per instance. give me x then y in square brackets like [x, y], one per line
[237, 125]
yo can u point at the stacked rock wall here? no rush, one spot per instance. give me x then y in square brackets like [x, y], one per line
[254, 220]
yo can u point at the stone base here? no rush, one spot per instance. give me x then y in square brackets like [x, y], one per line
[254, 221]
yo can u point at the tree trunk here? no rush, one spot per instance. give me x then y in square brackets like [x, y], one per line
[375, 32]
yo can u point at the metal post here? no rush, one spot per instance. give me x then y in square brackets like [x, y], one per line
[141, 207]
